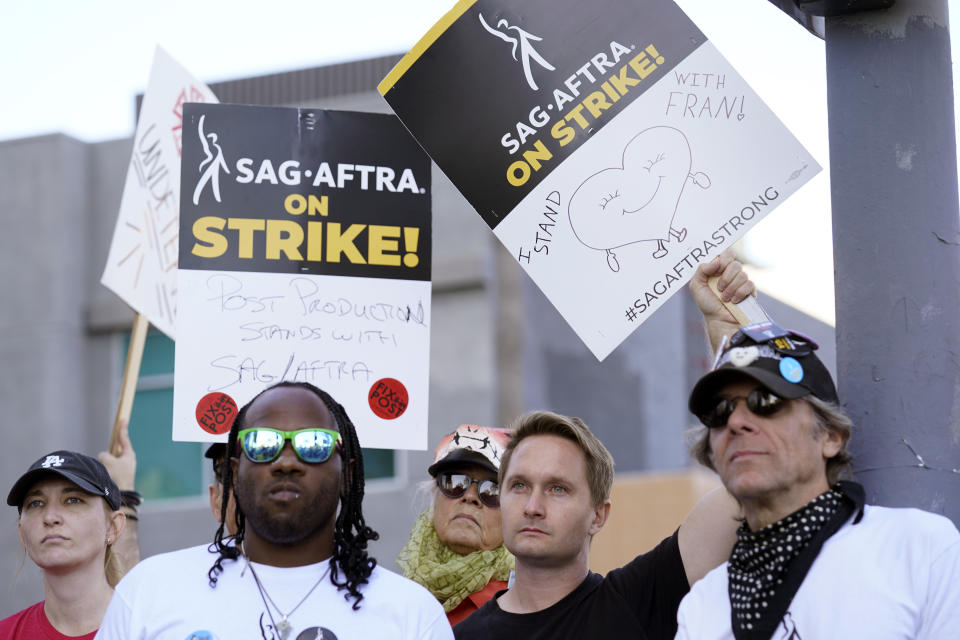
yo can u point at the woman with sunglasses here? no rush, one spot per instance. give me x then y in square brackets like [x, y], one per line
[456, 547]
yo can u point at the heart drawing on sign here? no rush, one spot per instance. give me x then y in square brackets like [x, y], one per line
[637, 201]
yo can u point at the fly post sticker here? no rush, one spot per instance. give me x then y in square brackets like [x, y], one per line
[215, 413]
[388, 398]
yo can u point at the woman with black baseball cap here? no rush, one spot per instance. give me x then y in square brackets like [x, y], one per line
[69, 518]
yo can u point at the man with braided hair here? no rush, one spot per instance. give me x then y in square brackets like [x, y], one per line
[297, 566]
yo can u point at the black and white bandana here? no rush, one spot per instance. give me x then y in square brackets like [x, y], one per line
[767, 566]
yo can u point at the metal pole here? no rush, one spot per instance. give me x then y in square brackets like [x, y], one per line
[896, 235]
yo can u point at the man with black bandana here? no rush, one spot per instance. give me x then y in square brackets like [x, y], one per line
[811, 560]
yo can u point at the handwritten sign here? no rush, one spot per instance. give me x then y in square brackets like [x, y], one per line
[142, 264]
[305, 255]
[608, 145]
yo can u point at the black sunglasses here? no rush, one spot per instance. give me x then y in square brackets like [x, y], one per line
[454, 485]
[760, 401]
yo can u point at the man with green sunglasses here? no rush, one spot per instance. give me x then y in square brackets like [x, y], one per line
[297, 566]
[312, 445]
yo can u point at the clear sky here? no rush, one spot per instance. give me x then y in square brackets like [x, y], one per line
[75, 67]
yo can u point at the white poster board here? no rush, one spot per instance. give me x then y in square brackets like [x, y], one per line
[608, 145]
[305, 256]
[142, 264]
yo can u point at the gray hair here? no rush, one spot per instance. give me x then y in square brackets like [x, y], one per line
[828, 418]
[424, 495]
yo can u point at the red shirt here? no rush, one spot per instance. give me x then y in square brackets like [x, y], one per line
[474, 601]
[32, 624]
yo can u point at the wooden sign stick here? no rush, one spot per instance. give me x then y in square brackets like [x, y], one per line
[131, 373]
[747, 312]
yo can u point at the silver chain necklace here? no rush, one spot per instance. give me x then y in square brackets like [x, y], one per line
[283, 627]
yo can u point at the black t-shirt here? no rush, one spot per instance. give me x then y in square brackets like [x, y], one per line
[638, 601]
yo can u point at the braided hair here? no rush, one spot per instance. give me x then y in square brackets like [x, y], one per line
[351, 532]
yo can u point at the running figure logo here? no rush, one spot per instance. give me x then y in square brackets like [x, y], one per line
[524, 39]
[213, 164]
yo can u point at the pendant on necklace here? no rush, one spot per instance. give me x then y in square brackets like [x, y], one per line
[283, 628]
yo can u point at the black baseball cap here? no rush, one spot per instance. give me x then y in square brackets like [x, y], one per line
[470, 444]
[216, 451]
[87, 473]
[784, 362]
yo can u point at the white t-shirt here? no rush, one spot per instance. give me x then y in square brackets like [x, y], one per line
[895, 575]
[168, 596]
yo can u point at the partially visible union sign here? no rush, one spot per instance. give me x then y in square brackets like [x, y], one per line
[608, 145]
[142, 265]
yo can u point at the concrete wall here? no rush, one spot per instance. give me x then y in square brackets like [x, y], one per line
[44, 202]
[645, 509]
[634, 400]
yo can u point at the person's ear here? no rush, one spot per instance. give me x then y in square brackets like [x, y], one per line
[216, 494]
[116, 521]
[600, 514]
[831, 444]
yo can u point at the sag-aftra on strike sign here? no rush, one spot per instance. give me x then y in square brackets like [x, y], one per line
[305, 255]
[607, 144]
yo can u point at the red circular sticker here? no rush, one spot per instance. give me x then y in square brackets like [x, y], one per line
[215, 413]
[388, 398]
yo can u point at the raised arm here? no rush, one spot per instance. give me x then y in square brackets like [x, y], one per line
[734, 286]
[709, 531]
[707, 534]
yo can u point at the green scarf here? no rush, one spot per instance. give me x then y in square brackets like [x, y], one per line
[449, 576]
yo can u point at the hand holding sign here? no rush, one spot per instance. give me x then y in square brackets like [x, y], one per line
[725, 294]
[121, 460]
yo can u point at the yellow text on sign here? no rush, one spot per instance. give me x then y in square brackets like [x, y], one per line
[317, 241]
[273, 239]
[617, 86]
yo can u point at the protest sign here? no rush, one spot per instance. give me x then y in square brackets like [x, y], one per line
[305, 255]
[142, 265]
[608, 145]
